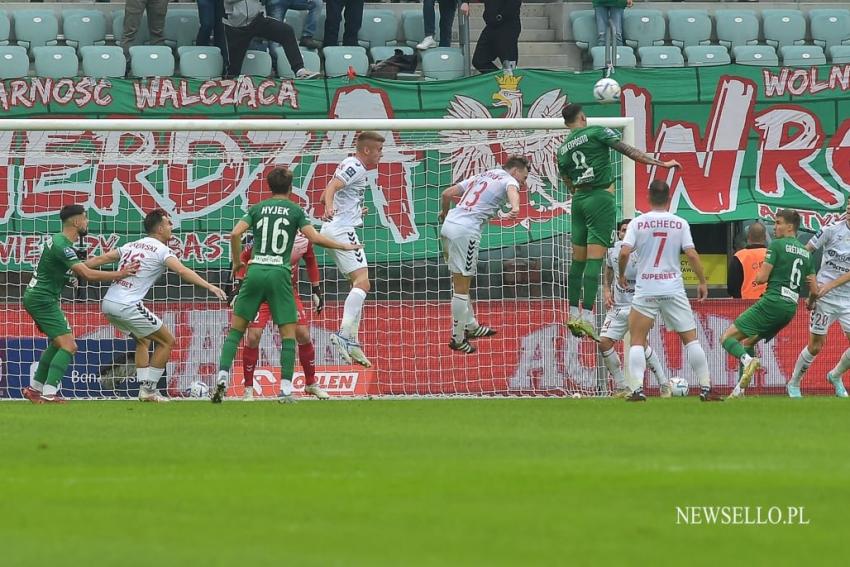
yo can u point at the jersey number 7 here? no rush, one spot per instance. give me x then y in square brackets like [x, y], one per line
[662, 242]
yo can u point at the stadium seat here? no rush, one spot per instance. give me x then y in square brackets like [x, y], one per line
[5, 28]
[783, 27]
[200, 62]
[380, 27]
[625, 57]
[257, 64]
[802, 55]
[413, 27]
[689, 27]
[736, 27]
[142, 34]
[706, 55]
[295, 18]
[35, 28]
[643, 28]
[759, 55]
[839, 54]
[661, 56]
[181, 27]
[584, 28]
[56, 62]
[14, 62]
[83, 27]
[312, 62]
[830, 27]
[442, 63]
[151, 61]
[339, 58]
[386, 51]
[103, 61]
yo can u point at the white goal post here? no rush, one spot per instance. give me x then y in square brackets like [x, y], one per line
[205, 172]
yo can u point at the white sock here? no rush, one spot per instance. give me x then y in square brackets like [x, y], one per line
[698, 363]
[587, 315]
[655, 367]
[142, 376]
[460, 305]
[351, 312]
[612, 363]
[575, 312]
[50, 390]
[153, 376]
[223, 377]
[745, 358]
[637, 364]
[471, 321]
[842, 366]
[36, 385]
[286, 387]
[803, 362]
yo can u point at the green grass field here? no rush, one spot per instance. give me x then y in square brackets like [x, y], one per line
[426, 482]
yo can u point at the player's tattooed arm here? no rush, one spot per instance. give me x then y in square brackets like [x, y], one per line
[446, 199]
[642, 157]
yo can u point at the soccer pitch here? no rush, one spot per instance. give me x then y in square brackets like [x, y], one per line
[425, 482]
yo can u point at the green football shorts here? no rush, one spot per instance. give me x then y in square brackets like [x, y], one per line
[47, 315]
[765, 318]
[594, 217]
[272, 284]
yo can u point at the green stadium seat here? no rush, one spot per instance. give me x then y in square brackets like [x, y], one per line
[643, 28]
[413, 27]
[830, 27]
[386, 51]
[380, 27]
[35, 28]
[200, 62]
[759, 55]
[143, 34]
[802, 55]
[625, 57]
[689, 27]
[839, 54]
[783, 27]
[151, 61]
[706, 55]
[14, 62]
[83, 27]
[661, 56]
[181, 27]
[339, 58]
[257, 64]
[5, 28]
[312, 62]
[736, 27]
[584, 28]
[442, 63]
[56, 62]
[103, 61]
[296, 18]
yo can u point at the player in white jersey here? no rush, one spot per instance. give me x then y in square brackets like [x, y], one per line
[123, 304]
[618, 301]
[343, 200]
[830, 304]
[480, 198]
[659, 237]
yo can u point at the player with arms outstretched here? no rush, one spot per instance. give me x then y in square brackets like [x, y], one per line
[618, 301]
[584, 160]
[302, 248]
[659, 237]
[123, 304]
[274, 223]
[786, 264]
[481, 198]
[58, 263]
[343, 201]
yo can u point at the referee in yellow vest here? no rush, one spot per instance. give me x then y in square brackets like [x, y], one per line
[746, 263]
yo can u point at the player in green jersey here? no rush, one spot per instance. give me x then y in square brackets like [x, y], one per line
[584, 160]
[273, 223]
[58, 264]
[786, 264]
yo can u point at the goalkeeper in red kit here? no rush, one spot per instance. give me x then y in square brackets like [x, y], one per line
[301, 248]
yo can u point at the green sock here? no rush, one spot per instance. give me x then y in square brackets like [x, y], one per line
[61, 360]
[734, 348]
[229, 348]
[574, 282]
[44, 363]
[590, 282]
[287, 359]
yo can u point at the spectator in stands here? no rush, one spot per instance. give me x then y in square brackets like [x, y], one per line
[500, 37]
[246, 20]
[210, 13]
[333, 17]
[610, 10]
[746, 263]
[133, 10]
[277, 10]
[447, 18]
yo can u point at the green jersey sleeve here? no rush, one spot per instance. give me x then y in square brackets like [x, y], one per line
[607, 136]
[772, 253]
[68, 257]
[248, 218]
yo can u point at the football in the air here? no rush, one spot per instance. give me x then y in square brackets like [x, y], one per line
[679, 386]
[606, 90]
[198, 389]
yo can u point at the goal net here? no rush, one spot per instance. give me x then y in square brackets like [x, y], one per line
[205, 173]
